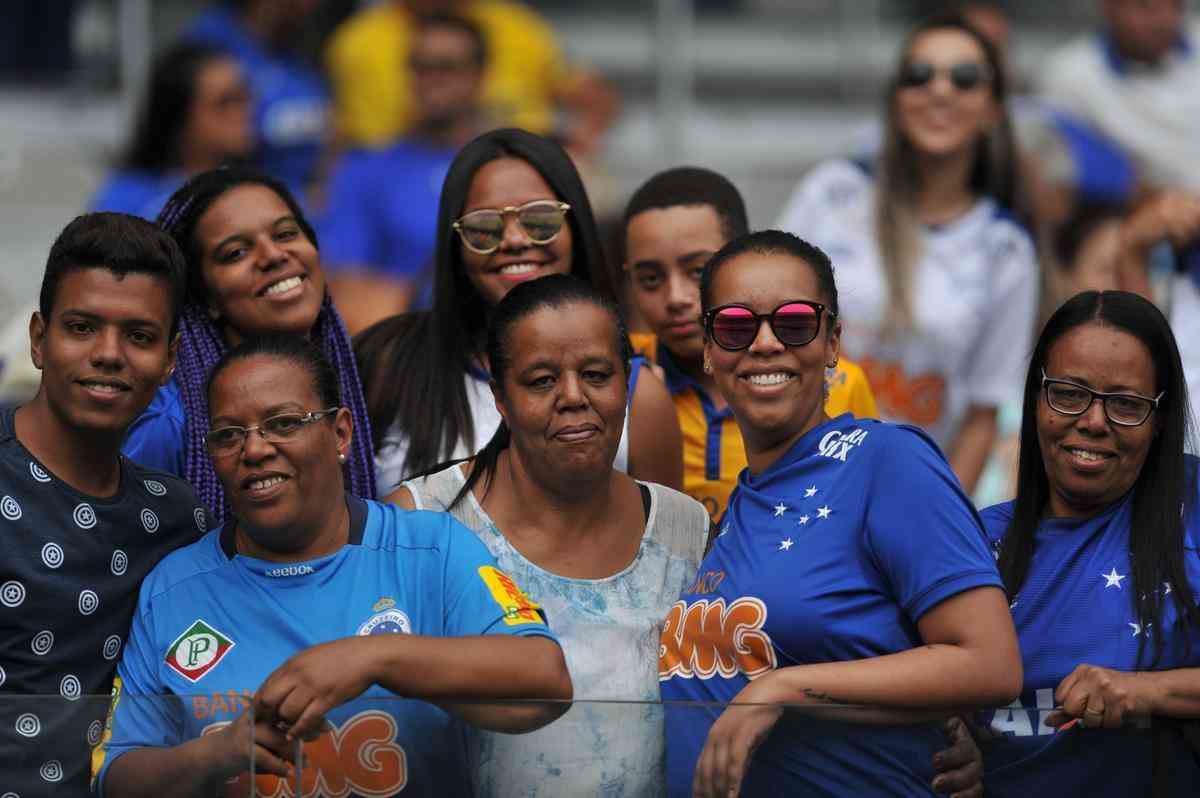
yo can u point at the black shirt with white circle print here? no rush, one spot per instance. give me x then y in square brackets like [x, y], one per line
[69, 577]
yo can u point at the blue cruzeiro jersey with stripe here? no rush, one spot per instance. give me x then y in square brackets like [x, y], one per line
[212, 624]
[833, 553]
[1075, 607]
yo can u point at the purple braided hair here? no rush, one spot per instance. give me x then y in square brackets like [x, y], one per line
[201, 346]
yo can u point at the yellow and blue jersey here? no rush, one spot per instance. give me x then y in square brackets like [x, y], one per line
[713, 454]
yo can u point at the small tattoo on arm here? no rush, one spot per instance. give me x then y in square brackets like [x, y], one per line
[817, 695]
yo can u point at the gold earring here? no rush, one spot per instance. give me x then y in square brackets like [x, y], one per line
[707, 366]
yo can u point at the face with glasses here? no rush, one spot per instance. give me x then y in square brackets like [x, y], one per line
[513, 228]
[274, 445]
[943, 101]
[769, 337]
[1096, 417]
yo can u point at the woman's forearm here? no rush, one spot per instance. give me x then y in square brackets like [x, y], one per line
[190, 769]
[939, 677]
[1174, 693]
[479, 668]
[973, 445]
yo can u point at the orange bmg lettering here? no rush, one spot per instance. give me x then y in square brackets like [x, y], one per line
[359, 757]
[917, 399]
[705, 638]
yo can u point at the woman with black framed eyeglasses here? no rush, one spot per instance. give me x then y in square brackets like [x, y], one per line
[310, 612]
[513, 209]
[1099, 555]
[850, 567]
[940, 278]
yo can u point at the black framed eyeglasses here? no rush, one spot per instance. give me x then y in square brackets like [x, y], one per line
[224, 441]
[964, 76]
[482, 230]
[1073, 399]
[734, 327]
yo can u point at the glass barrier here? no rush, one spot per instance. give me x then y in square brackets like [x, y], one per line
[386, 746]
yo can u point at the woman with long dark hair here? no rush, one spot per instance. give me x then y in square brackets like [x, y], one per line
[940, 280]
[1099, 553]
[194, 116]
[253, 269]
[512, 209]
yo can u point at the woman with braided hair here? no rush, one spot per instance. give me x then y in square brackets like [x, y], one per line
[253, 269]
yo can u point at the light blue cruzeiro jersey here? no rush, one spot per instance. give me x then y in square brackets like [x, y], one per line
[211, 625]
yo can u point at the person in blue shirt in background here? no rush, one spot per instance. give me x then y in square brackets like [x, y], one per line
[1099, 556]
[194, 116]
[311, 598]
[291, 115]
[850, 567]
[380, 221]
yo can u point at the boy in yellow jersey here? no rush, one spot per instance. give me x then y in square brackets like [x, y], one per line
[673, 224]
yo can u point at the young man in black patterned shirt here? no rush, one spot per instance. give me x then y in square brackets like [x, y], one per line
[80, 525]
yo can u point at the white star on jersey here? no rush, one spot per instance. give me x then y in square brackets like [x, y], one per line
[803, 520]
[823, 512]
[785, 544]
[812, 491]
[1136, 627]
[1113, 578]
[780, 509]
[1166, 588]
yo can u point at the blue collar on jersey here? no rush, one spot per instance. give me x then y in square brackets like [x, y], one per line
[1119, 64]
[358, 523]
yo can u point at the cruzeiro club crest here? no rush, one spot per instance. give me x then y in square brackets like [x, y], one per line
[197, 651]
[386, 620]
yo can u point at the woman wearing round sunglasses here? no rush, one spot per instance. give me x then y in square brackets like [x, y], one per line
[940, 282]
[850, 567]
[1098, 553]
[513, 209]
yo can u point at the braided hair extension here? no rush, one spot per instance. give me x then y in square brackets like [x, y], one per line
[201, 344]
[201, 347]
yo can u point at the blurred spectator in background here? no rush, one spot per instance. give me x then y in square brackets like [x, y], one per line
[527, 79]
[291, 102]
[1159, 258]
[381, 218]
[940, 282]
[194, 117]
[1136, 81]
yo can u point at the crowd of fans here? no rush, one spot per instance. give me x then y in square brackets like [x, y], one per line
[343, 399]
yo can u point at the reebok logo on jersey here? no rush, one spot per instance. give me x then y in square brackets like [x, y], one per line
[518, 607]
[197, 651]
[290, 570]
[837, 444]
